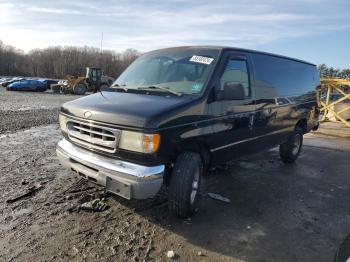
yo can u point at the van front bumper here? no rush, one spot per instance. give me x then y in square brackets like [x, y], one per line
[128, 180]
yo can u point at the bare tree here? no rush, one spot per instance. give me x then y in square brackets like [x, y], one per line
[57, 62]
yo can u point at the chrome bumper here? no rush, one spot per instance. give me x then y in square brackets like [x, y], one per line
[129, 180]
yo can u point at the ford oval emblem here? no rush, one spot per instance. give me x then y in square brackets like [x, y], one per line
[87, 114]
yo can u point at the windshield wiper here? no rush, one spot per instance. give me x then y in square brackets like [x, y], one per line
[120, 87]
[161, 88]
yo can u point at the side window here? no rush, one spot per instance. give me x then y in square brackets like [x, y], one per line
[236, 71]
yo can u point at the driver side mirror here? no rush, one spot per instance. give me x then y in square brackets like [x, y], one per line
[232, 91]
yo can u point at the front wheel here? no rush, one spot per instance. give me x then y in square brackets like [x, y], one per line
[290, 150]
[79, 89]
[184, 184]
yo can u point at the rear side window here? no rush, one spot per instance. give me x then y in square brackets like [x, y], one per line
[236, 71]
[279, 77]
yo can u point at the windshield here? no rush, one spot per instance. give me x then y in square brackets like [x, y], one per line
[182, 71]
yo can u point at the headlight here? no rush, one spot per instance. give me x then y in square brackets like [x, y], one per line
[139, 142]
[63, 123]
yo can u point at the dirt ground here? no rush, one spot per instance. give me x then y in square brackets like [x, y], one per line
[278, 212]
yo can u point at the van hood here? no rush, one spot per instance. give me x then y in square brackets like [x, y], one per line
[145, 111]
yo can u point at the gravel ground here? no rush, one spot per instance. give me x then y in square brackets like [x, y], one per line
[16, 120]
[20, 110]
[277, 213]
[17, 101]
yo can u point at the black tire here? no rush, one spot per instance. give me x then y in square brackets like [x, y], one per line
[316, 127]
[290, 150]
[184, 184]
[79, 89]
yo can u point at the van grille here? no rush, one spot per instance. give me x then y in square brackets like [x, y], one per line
[93, 136]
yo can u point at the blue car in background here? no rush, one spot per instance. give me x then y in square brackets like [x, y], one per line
[48, 82]
[28, 85]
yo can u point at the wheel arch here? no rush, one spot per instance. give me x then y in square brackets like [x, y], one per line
[199, 147]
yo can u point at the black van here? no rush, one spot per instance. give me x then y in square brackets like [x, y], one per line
[175, 112]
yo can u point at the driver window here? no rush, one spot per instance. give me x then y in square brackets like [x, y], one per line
[236, 71]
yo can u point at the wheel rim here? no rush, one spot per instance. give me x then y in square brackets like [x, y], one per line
[296, 144]
[195, 186]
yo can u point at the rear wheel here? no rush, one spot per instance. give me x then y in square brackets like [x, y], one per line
[290, 150]
[79, 89]
[184, 184]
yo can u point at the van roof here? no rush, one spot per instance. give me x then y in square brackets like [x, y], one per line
[225, 48]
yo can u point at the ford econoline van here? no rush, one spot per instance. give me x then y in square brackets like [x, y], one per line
[174, 113]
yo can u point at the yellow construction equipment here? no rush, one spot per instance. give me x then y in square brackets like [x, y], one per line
[94, 80]
[333, 97]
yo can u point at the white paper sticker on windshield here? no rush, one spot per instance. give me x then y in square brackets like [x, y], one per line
[201, 59]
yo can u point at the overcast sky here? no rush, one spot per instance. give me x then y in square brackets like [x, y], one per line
[314, 30]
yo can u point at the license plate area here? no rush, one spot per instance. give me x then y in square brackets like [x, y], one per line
[118, 188]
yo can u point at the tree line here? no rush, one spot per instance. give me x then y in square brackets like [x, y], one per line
[331, 72]
[57, 62]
